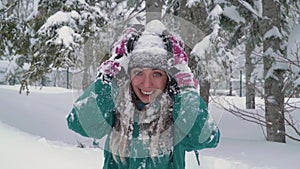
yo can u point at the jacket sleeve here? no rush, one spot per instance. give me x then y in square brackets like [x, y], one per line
[193, 129]
[92, 113]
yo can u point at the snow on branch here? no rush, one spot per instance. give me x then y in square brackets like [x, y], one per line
[66, 36]
[191, 3]
[232, 13]
[249, 7]
[59, 18]
[273, 33]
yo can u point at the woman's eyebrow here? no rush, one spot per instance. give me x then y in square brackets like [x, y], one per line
[157, 69]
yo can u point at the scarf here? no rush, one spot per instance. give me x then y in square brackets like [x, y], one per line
[154, 120]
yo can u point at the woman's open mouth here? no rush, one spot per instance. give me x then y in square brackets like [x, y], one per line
[147, 93]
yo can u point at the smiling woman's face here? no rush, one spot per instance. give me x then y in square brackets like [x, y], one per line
[148, 83]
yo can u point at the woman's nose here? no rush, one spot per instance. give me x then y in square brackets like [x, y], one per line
[147, 81]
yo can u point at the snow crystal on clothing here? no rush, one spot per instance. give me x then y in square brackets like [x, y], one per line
[155, 26]
[84, 101]
[182, 67]
[149, 51]
[148, 41]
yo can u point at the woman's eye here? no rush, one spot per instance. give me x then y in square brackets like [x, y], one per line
[157, 74]
[136, 72]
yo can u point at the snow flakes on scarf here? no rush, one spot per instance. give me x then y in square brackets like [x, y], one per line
[155, 127]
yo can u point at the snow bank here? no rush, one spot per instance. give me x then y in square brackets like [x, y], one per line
[23, 151]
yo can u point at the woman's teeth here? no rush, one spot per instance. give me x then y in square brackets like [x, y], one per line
[147, 93]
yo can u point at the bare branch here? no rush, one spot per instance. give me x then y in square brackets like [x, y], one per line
[253, 116]
[291, 137]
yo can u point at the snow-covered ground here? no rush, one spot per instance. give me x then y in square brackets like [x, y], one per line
[34, 135]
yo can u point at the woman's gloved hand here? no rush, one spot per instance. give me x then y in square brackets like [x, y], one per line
[183, 74]
[114, 68]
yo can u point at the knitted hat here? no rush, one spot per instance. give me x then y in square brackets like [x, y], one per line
[149, 51]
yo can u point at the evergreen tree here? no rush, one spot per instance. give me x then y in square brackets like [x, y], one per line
[271, 29]
[14, 37]
[60, 30]
[212, 59]
[276, 70]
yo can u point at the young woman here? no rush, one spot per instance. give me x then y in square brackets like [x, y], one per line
[146, 104]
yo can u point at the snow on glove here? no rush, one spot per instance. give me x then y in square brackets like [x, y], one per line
[108, 69]
[186, 80]
[111, 68]
[184, 75]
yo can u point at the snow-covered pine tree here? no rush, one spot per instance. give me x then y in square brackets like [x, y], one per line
[243, 19]
[60, 30]
[249, 35]
[212, 59]
[292, 13]
[277, 67]
[14, 37]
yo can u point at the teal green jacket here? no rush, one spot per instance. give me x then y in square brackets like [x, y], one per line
[93, 116]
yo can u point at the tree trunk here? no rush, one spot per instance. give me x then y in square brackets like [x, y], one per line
[250, 85]
[274, 94]
[204, 90]
[153, 10]
[88, 61]
[274, 105]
